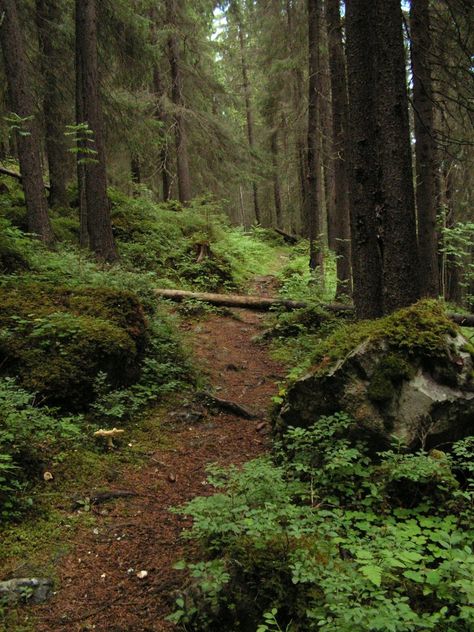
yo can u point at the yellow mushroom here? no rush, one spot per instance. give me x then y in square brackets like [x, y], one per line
[109, 435]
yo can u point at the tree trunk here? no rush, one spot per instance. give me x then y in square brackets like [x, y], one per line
[19, 85]
[160, 113]
[181, 138]
[99, 225]
[426, 188]
[400, 250]
[248, 108]
[276, 178]
[326, 204]
[313, 130]
[341, 223]
[366, 254]
[452, 272]
[161, 116]
[48, 17]
[135, 169]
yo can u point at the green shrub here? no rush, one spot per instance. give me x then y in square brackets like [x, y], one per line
[323, 538]
[29, 437]
[13, 249]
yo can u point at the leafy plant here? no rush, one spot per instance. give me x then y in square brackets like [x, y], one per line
[323, 538]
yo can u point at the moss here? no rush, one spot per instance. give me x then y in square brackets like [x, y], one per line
[421, 331]
[57, 339]
[387, 378]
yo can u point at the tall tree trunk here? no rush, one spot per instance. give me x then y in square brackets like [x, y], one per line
[341, 223]
[297, 89]
[313, 212]
[48, 17]
[276, 178]
[248, 107]
[400, 250]
[135, 169]
[182, 159]
[161, 116]
[19, 85]
[452, 273]
[99, 225]
[363, 186]
[326, 203]
[426, 186]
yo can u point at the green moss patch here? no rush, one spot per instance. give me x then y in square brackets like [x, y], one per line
[387, 377]
[421, 331]
[58, 339]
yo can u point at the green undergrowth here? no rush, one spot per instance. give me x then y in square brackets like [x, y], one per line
[84, 344]
[167, 239]
[298, 282]
[421, 331]
[320, 536]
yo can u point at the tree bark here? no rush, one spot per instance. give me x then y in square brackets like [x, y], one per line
[276, 174]
[135, 169]
[248, 108]
[400, 248]
[161, 116]
[48, 18]
[19, 85]
[452, 272]
[341, 222]
[327, 184]
[181, 138]
[363, 188]
[426, 186]
[313, 130]
[99, 225]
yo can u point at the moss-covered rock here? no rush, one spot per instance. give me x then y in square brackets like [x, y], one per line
[58, 339]
[408, 374]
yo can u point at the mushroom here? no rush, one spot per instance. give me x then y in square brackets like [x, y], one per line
[109, 435]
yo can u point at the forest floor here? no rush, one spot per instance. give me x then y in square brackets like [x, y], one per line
[101, 584]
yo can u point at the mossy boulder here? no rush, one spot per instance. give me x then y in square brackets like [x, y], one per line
[408, 375]
[57, 339]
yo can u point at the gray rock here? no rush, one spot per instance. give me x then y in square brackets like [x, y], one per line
[33, 590]
[418, 404]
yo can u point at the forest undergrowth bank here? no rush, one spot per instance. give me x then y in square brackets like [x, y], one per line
[299, 538]
[86, 346]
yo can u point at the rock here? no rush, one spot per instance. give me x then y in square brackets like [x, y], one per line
[33, 590]
[390, 389]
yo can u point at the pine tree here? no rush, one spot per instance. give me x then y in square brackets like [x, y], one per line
[21, 98]
[48, 18]
[92, 170]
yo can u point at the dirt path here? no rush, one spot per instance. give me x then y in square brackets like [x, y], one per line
[99, 586]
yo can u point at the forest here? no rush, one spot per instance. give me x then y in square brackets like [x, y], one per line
[236, 315]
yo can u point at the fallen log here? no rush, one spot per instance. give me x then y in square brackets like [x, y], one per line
[102, 497]
[287, 237]
[465, 320]
[262, 303]
[227, 406]
[13, 174]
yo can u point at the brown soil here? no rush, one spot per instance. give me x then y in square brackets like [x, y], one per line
[99, 588]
